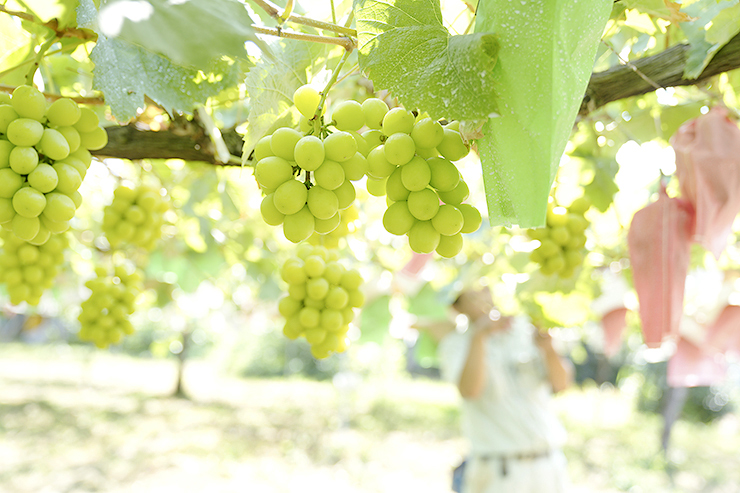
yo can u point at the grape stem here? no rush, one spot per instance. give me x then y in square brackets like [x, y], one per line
[67, 32]
[39, 56]
[335, 73]
[287, 12]
[274, 11]
[346, 43]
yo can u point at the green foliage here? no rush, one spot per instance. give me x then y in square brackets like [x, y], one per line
[271, 84]
[706, 40]
[405, 48]
[191, 34]
[126, 73]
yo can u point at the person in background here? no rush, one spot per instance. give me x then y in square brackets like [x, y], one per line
[506, 371]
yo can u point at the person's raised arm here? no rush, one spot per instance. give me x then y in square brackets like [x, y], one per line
[559, 370]
[473, 376]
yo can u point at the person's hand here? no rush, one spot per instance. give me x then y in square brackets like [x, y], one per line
[488, 326]
[543, 339]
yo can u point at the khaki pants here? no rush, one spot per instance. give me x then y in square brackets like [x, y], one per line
[546, 474]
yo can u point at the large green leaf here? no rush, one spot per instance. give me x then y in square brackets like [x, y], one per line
[271, 84]
[191, 33]
[16, 45]
[405, 48]
[545, 61]
[125, 73]
[704, 37]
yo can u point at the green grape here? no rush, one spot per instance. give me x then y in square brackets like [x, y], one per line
[333, 272]
[471, 217]
[398, 120]
[290, 197]
[69, 179]
[573, 258]
[293, 272]
[5, 149]
[95, 139]
[309, 153]
[317, 288]
[399, 149]
[269, 212]
[376, 187]
[374, 111]
[340, 146]
[76, 164]
[23, 160]
[444, 175]
[326, 226]
[55, 227]
[289, 306]
[272, 171]
[331, 320]
[576, 223]
[423, 204]
[53, 144]
[7, 211]
[29, 102]
[25, 132]
[448, 221]
[283, 142]
[423, 238]
[426, 153]
[29, 202]
[322, 203]
[362, 146]
[580, 205]
[87, 122]
[336, 299]
[394, 188]
[329, 175]
[427, 133]
[41, 237]
[415, 175]
[83, 155]
[449, 246]
[548, 248]
[456, 195]
[306, 99]
[452, 146]
[7, 115]
[556, 216]
[351, 280]
[25, 228]
[560, 235]
[262, 149]
[299, 226]
[378, 166]
[355, 167]
[373, 138]
[10, 182]
[397, 219]
[315, 265]
[453, 125]
[305, 126]
[577, 241]
[59, 207]
[348, 115]
[345, 194]
[554, 263]
[72, 136]
[537, 234]
[63, 112]
[309, 317]
[4, 98]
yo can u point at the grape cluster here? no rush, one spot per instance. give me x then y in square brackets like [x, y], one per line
[322, 295]
[562, 241]
[44, 155]
[307, 176]
[135, 217]
[28, 270]
[105, 314]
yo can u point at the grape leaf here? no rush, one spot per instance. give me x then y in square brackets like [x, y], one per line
[405, 48]
[191, 33]
[45, 10]
[705, 39]
[545, 61]
[271, 84]
[16, 45]
[125, 73]
[664, 9]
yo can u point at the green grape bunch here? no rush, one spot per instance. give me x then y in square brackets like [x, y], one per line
[335, 238]
[306, 175]
[562, 241]
[135, 216]
[321, 300]
[44, 156]
[104, 318]
[28, 270]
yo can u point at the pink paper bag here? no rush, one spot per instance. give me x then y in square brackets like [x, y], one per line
[724, 334]
[690, 366]
[659, 243]
[708, 170]
[614, 323]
